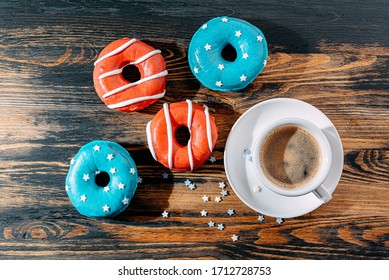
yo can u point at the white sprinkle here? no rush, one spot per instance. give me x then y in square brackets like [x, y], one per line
[106, 189]
[220, 226]
[121, 186]
[238, 33]
[187, 182]
[204, 213]
[212, 159]
[204, 26]
[221, 66]
[264, 62]
[110, 156]
[231, 212]
[207, 47]
[211, 224]
[140, 180]
[256, 188]
[224, 19]
[83, 198]
[112, 170]
[243, 78]
[165, 214]
[234, 237]
[96, 148]
[279, 220]
[67, 188]
[259, 38]
[261, 218]
[196, 70]
[245, 56]
[218, 199]
[106, 208]
[72, 161]
[132, 171]
[219, 83]
[222, 185]
[205, 198]
[125, 201]
[86, 177]
[165, 175]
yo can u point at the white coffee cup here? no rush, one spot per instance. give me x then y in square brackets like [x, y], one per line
[315, 185]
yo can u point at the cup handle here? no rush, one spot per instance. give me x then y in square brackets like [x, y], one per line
[322, 193]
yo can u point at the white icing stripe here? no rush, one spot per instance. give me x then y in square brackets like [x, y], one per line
[135, 100]
[150, 140]
[190, 155]
[119, 89]
[139, 60]
[208, 123]
[116, 51]
[169, 135]
[146, 56]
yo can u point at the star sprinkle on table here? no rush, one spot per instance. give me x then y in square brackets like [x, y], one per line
[192, 186]
[205, 198]
[222, 185]
[165, 214]
[257, 188]
[279, 220]
[212, 159]
[140, 180]
[224, 192]
[211, 224]
[231, 212]
[234, 237]
[261, 218]
[220, 227]
[204, 213]
[187, 182]
[165, 175]
[218, 199]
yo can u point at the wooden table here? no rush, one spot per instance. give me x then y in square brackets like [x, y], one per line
[331, 54]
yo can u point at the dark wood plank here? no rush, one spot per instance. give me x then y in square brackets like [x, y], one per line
[333, 55]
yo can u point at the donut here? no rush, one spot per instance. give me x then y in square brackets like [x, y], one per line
[235, 72]
[118, 93]
[161, 135]
[102, 179]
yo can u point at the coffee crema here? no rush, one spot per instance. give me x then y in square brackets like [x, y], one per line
[290, 156]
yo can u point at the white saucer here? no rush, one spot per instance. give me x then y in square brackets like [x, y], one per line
[239, 168]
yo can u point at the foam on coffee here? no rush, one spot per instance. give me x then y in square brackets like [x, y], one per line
[290, 156]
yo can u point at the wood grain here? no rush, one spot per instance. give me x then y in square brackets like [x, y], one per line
[332, 55]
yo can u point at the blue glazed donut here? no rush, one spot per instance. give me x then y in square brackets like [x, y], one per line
[102, 179]
[205, 53]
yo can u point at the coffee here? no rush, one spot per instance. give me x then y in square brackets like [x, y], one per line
[289, 156]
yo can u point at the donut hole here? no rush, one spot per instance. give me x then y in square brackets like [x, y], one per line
[182, 135]
[229, 53]
[131, 73]
[102, 179]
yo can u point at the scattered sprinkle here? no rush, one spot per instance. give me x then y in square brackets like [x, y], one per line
[125, 201]
[211, 224]
[112, 170]
[106, 189]
[257, 188]
[205, 198]
[96, 148]
[234, 237]
[222, 185]
[261, 218]
[224, 192]
[67, 188]
[187, 182]
[110, 156]
[85, 177]
[218, 199]
[204, 213]
[279, 220]
[212, 159]
[165, 214]
[140, 180]
[165, 175]
[231, 212]
[192, 186]
[83, 198]
[132, 171]
[220, 226]
[121, 186]
[106, 208]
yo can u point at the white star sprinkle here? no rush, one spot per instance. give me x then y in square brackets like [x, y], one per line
[212, 159]
[67, 188]
[106, 208]
[279, 220]
[220, 226]
[222, 185]
[219, 83]
[196, 70]
[218, 199]
[96, 148]
[125, 201]
[261, 218]
[192, 186]
[72, 161]
[165, 175]
[231, 212]
[97, 172]
[83, 198]
[224, 19]
[221, 67]
[224, 192]
[257, 189]
[132, 171]
[165, 214]
[187, 182]
[207, 47]
[204, 213]
[85, 177]
[243, 78]
[205, 198]
[245, 56]
[112, 170]
[204, 26]
[140, 180]
[238, 33]
[121, 186]
[106, 189]
[259, 38]
[264, 62]
[211, 224]
[234, 237]
[110, 156]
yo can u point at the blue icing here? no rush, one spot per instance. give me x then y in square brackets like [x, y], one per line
[205, 57]
[91, 159]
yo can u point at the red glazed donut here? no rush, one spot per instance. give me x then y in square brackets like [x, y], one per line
[114, 90]
[163, 144]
